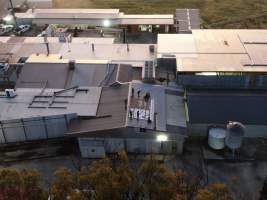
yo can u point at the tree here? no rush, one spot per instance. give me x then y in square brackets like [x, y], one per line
[205, 194]
[263, 193]
[113, 180]
[31, 185]
[214, 192]
[63, 185]
[156, 180]
[126, 177]
[186, 186]
[25, 184]
[102, 178]
[10, 184]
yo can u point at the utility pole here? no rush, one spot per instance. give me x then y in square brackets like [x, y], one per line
[13, 14]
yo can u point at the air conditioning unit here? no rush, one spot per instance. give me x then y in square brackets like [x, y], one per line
[71, 64]
[148, 72]
[152, 49]
[10, 93]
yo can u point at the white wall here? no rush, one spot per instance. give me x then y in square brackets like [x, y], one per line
[36, 128]
[130, 145]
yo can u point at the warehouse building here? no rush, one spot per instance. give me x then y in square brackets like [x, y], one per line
[224, 74]
[216, 58]
[104, 119]
[156, 125]
[97, 17]
[38, 53]
[55, 82]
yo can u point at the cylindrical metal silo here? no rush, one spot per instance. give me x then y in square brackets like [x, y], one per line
[216, 138]
[234, 135]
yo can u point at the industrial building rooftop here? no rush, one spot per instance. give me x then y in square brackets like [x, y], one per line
[216, 50]
[164, 110]
[79, 49]
[91, 16]
[42, 102]
[66, 75]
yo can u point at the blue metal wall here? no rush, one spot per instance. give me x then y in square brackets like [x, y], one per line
[230, 82]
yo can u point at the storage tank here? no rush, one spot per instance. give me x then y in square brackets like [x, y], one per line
[216, 138]
[234, 135]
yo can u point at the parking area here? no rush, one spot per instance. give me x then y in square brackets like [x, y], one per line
[244, 177]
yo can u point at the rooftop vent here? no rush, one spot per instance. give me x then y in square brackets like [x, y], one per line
[10, 93]
[71, 64]
[152, 49]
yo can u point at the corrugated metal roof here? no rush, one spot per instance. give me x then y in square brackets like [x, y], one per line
[59, 75]
[92, 16]
[125, 73]
[216, 50]
[111, 112]
[80, 49]
[68, 10]
[180, 45]
[220, 107]
[146, 19]
[138, 53]
[31, 102]
[75, 13]
[166, 102]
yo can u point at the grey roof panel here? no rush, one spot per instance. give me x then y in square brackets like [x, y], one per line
[35, 102]
[89, 75]
[58, 75]
[111, 113]
[125, 73]
[34, 75]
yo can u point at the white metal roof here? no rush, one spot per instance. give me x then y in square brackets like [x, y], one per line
[216, 50]
[165, 101]
[92, 16]
[82, 103]
[68, 10]
[179, 45]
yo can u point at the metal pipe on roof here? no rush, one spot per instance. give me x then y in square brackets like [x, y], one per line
[13, 14]
[93, 47]
[47, 48]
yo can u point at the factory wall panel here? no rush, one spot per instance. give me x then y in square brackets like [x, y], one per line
[14, 131]
[69, 117]
[114, 145]
[223, 81]
[143, 146]
[2, 138]
[91, 147]
[200, 81]
[35, 129]
[56, 126]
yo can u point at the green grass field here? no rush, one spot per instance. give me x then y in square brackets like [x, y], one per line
[214, 13]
